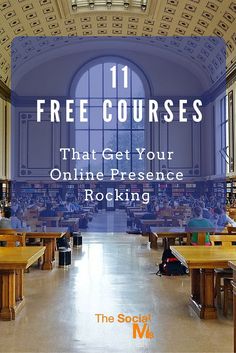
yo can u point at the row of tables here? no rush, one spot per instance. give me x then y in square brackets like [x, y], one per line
[201, 261]
[48, 238]
[137, 215]
[15, 260]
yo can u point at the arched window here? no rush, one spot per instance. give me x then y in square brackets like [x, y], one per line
[94, 82]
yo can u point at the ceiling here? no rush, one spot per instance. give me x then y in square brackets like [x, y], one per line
[161, 18]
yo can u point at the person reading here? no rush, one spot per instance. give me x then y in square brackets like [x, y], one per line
[199, 224]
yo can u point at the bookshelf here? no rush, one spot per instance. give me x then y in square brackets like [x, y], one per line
[178, 190]
[219, 189]
[149, 187]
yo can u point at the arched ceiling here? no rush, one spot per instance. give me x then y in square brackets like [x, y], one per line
[161, 18]
[203, 56]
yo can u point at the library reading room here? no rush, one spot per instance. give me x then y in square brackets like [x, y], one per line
[117, 176]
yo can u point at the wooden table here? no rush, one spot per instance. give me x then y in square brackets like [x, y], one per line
[232, 264]
[139, 214]
[167, 234]
[170, 233]
[201, 261]
[88, 209]
[72, 223]
[130, 209]
[146, 223]
[13, 262]
[48, 237]
[134, 208]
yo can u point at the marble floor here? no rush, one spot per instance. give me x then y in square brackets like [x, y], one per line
[112, 273]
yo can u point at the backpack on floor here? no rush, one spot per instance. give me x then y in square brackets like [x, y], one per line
[170, 265]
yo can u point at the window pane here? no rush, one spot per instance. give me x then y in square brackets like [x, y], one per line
[108, 90]
[96, 165]
[95, 80]
[78, 124]
[93, 102]
[108, 165]
[127, 123]
[110, 140]
[82, 87]
[137, 86]
[96, 141]
[140, 125]
[95, 118]
[113, 123]
[81, 164]
[81, 140]
[137, 140]
[123, 92]
[124, 140]
[124, 165]
[137, 165]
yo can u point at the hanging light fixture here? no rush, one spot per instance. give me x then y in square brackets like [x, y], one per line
[74, 5]
[109, 4]
[91, 4]
[144, 5]
[126, 4]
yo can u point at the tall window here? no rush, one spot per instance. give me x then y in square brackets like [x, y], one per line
[224, 130]
[95, 84]
[227, 132]
[231, 131]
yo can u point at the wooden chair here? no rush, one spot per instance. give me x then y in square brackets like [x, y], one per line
[50, 221]
[231, 230]
[12, 238]
[223, 240]
[33, 224]
[32, 213]
[228, 294]
[201, 234]
[232, 213]
[223, 274]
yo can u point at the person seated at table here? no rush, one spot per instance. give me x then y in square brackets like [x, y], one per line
[222, 218]
[61, 207]
[200, 224]
[20, 215]
[77, 206]
[205, 212]
[69, 206]
[5, 222]
[14, 205]
[151, 207]
[165, 210]
[15, 221]
[32, 205]
[48, 212]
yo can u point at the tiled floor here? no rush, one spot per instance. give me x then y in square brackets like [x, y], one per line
[110, 274]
